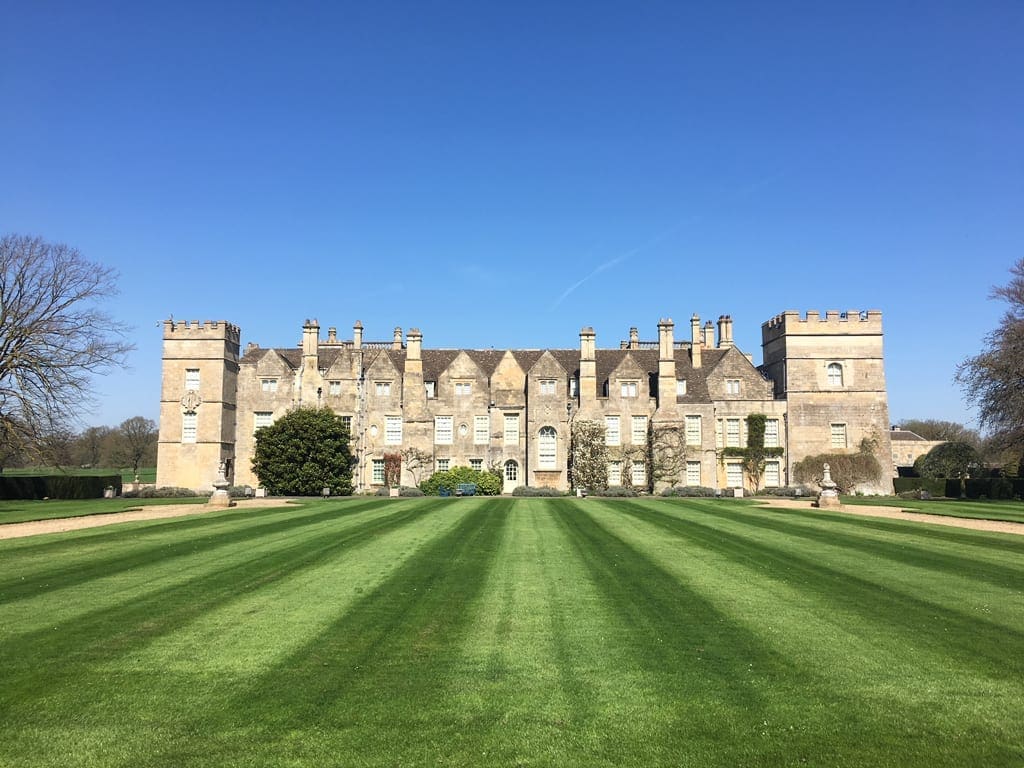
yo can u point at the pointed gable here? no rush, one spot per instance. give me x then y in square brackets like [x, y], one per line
[508, 382]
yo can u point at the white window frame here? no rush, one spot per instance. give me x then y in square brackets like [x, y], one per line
[732, 386]
[511, 429]
[638, 430]
[612, 431]
[834, 374]
[463, 388]
[771, 433]
[547, 386]
[615, 472]
[191, 379]
[476, 464]
[443, 430]
[680, 387]
[772, 474]
[444, 464]
[638, 474]
[334, 388]
[430, 387]
[376, 471]
[693, 473]
[261, 419]
[693, 429]
[268, 385]
[547, 448]
[382, 388]
[481, 430]
[733, 474]
[347, 421]
[574, 387]
[392, 430]
[629, 389]
[733, 433]
[838, 435]
[189, 427]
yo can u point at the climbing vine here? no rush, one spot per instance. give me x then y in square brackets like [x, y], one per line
[755, 455]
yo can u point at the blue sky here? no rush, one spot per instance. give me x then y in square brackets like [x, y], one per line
[501, 174]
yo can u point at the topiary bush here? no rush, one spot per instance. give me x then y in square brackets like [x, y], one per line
[164, 492]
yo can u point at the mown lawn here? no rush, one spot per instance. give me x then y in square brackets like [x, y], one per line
[1010, 511]
[513, 632]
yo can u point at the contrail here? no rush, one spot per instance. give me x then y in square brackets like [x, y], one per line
[736, 195]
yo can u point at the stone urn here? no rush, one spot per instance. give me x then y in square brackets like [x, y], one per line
[829, 496]
[221, 497]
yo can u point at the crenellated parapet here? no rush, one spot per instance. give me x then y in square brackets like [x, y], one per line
[205, 330]
[813, 323]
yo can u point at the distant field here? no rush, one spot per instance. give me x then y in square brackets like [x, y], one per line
[146, 474]
[1010, 511]
[513, 632]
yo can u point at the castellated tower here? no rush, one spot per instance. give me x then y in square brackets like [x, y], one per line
[829, 370]
[197, 402]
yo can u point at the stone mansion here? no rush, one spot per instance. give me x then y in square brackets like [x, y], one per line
[821, 388]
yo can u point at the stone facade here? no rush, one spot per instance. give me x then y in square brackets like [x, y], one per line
[513, 410]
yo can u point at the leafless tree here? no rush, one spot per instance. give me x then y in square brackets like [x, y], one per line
[415, 462]
[135, 442]
[668, 454]
[992, 380]
[53, 336]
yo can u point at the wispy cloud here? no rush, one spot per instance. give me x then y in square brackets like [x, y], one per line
[736, 194]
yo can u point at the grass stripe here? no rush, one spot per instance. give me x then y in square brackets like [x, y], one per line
[112, 631]
[970, 638]
[382, 664]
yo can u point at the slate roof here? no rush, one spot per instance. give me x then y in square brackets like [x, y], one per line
[436, 361]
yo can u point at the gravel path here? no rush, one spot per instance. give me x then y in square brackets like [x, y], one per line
[155, 512]
[59, 525]
[898, 514]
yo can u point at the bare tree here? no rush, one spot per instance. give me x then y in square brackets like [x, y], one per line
[415, 462]
[668, 454]
[53, 336]
[135, 442]
[93, 447]
[937, 429]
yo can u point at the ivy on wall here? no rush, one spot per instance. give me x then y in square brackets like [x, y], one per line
[755, 455]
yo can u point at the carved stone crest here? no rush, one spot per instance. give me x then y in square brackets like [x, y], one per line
[191, 400]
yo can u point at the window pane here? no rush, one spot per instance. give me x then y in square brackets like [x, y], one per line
[693, 430]
[639, 430]
[378, 471]
[393, 430]
[443, 430]
[693, 473]
[612, 435]
[614, 473]
[189, 427]
[732, 433]
[481, 430]
[192, 379]
[511, 429]
[547, 449]
[771, 433]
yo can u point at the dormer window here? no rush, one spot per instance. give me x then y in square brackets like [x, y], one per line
[547, 386]
[732, 386]
[630, 388]
[680, 387]
[463, 388]
[382, 388]
[334, 387]
[268, 385]
[431, 388]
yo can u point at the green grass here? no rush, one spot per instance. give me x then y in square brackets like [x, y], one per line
[513, 632]
[28, 510]
[1009, 511]
[146, 474]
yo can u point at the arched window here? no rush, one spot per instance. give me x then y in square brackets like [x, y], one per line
[511, 471]
[547, 448]
[835, 375]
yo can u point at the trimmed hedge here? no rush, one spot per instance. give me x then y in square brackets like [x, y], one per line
[57, 486]
[975, 488]
[689, 491]
[529, 490]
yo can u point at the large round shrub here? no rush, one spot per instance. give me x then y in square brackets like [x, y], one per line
[304, 452]
[487, 483]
